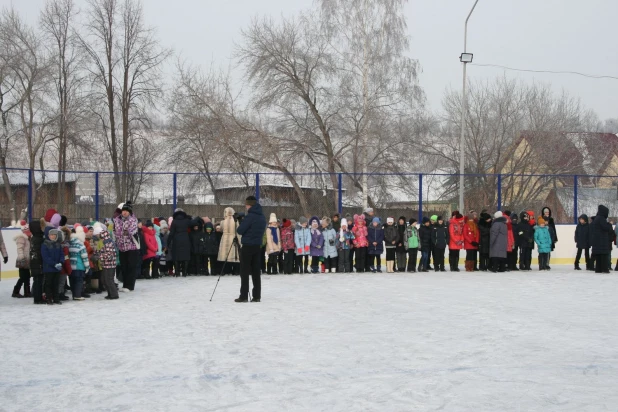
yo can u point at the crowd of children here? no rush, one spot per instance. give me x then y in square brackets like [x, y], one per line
[87, 258]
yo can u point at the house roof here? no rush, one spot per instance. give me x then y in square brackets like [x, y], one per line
[20, 178]
[574, 152]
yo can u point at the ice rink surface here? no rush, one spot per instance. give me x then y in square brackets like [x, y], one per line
[539, 341]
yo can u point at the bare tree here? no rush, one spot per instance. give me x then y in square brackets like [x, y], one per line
[126, 61]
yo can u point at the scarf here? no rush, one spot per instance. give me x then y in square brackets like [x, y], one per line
[273, 232]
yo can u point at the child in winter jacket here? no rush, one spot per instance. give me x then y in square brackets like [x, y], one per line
[375, 238]
[582, 240]
[472, 238]
[317, 244]
[525, 240]
[345, 237]
[273, 244]
[411, 243]
[288, 245]
[543, 239]
[391, 238]
[80, 264]
[36, 261]
[53, 257]
[106, 250]
[361, 244]
[401, 252]
[22, 242]
[456, 240]
[212, 249]
[330, 245]
[424, 235]
[302, 241]
[439, 240]
[197, 264]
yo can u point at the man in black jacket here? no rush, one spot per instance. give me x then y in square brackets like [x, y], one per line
[601, 239]
[582, 240]
[252, 230]
[525, 241]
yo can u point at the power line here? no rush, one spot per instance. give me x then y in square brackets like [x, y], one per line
[592, 76]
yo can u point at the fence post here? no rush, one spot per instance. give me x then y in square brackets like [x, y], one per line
[96, 196]
[420, 198]
[30, 189]
[340, 197]
[575, 199]
[175, 193]
[257, 186]
[499, 192]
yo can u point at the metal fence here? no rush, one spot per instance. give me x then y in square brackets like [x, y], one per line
[87, 195]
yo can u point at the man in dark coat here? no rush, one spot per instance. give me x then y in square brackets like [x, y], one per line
[601, 239]
[180, 241]
[252, 229]
[525, 240]
[424, 236]
[582, 240]
[484, 230]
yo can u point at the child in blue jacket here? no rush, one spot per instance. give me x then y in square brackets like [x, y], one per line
[53, 257]
[302, 241]
[543, 239]
[375, 237]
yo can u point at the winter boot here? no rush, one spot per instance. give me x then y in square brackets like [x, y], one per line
[577, 267]
[241, 300]
[16, 293]
[27, 293]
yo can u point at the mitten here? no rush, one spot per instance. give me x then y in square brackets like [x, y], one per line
[306, 248]
[300, 250]
[58, 266]
[6, 259]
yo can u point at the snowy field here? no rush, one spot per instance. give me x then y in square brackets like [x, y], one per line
[404, 342]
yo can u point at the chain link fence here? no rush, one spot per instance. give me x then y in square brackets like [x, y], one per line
[86, 196]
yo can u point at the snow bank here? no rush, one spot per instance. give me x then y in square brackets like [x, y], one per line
[452, 342]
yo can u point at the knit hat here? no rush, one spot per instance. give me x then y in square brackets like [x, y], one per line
[302, 220]
[498, 215]
[63, 220]
[80, 234]
[49, 214]
[286, 222]
[98, 230]
[149, 223]
[327, 220]
[251, 201]
[163, 224]
[440, 218]
[273, 218]
[390, 220]
[55, 220]
[376, 220]
[541, 221]
[434, 218]
[344, 222]
[128, 207]
[25, 227]
[425, 219]
[368, 210]
[412, 221]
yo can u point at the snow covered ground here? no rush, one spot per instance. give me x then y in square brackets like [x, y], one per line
[340, 342]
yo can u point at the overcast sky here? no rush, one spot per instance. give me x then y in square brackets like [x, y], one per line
[558, 35]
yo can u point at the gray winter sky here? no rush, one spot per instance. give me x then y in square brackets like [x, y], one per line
[558, 35]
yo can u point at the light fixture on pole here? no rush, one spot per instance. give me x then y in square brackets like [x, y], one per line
[465, 58]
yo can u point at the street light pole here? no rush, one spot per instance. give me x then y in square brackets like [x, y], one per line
[464, 112]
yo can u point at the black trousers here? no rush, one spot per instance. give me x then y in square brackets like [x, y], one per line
[344, 261]
[401, 260]
[543, 261]
[330, 263]
[602, 264]
[37, 287]
[24, 280]
[360, 256]
[453, 258]
[390, 254]
[471, 255]
[181, 267]
[214, 266]
[288, 261]
[51, 286]
[375, 261]
[412, 257]
[579, 255]
[302, 262]
[250, 262]
[525, 258]
[438, 258]
[271, 266]
[484, 262]
[497, 264]
[129, 262]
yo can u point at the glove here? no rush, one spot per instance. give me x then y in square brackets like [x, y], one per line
[475, 244]
[306, 248]
[58, 266]
[319, 247]
[6, 259]
[300, 250]
[521, 233]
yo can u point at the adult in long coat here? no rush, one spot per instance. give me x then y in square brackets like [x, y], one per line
[180, 241]
[601, 239]
[228, 228]
[484, 231]
[498, 242]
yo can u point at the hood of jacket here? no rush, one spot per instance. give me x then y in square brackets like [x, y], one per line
[50, 230]
[543, 211]
[181, 214]
[500, 220]
[585, 217]
[35, 228]
[603, 211]
[208, 225]
[197, 221]
[256, 209]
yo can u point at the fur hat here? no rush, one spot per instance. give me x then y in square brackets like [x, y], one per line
[498, 215]
[327, 220]
[541, 221]
[302, 220]
[251, 201]
[273, 218]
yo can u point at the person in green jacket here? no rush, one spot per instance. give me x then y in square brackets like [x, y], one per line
[411, 243]
[543, 239]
